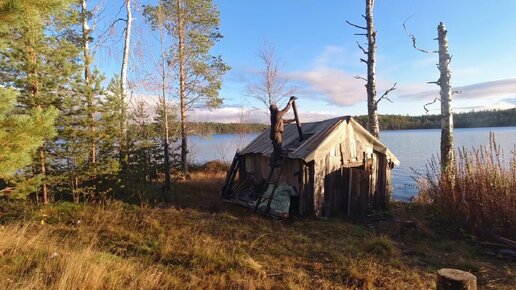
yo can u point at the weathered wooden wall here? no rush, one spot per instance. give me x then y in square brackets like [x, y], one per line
[323, 184]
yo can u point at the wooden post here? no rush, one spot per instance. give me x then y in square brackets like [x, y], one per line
[349, 191]
[453, 279]
[297, 121]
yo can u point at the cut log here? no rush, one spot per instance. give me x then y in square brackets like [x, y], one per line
[453, 279]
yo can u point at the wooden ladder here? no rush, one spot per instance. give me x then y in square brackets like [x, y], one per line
[273, 178]
[230, 176]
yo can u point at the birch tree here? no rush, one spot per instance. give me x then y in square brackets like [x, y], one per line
[271, 85]
[369, 32]
[89, 93]
[445, 95]
[123, 88]
[155, 16]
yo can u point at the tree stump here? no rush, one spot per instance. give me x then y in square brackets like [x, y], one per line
[453, 279]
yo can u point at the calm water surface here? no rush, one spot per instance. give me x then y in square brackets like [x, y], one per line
[412, 147]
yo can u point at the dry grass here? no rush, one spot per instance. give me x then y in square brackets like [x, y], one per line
[202, 243]
[482, 194]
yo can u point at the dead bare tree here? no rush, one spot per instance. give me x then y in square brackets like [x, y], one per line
[271, 86]
[444, 82]
[373, 125]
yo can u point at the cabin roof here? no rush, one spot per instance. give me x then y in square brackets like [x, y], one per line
[315, 133]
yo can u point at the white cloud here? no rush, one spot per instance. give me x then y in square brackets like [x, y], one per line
[227, 115]
[335, 86]
[332, 54]
[248, 115]
[484, 90]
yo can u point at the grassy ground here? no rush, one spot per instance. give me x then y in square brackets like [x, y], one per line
[202, 243]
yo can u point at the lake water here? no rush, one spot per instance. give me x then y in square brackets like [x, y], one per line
[414, 148]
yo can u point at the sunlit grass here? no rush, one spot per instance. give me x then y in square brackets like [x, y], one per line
[199, 242]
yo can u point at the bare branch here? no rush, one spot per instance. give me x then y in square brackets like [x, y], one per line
[357, 77]
[357, 26]
[385, 95]
[361, 48]
[363, 60]
[364, 34]
[111, 26]
[437, 83]
[270, 86]
[413, 38]
[456, 92]
[435, 100]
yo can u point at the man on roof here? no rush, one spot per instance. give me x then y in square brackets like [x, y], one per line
[277, 124]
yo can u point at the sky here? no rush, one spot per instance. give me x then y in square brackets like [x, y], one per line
[317, 50]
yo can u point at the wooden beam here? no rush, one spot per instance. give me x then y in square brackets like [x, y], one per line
[298, 123]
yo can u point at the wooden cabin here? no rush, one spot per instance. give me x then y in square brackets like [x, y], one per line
[337, 169]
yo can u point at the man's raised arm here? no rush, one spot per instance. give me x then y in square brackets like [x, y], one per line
[285, 110]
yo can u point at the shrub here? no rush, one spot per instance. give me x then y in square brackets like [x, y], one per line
[481, 195]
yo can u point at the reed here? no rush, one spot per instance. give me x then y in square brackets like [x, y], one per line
[481, 195]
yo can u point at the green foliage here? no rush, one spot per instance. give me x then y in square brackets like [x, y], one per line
[20, 136]
[145, 151]
[39, 59]
[204, 72]
[15, 12]
[209, 128]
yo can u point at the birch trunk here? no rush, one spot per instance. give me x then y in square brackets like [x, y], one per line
[445, 93]
[184, 146]
[87, 80]
[123, 76]
[166, 131]
[372, 107]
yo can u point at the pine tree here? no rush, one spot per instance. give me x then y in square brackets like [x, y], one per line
[38, 59]
[20, 136]
[193, 27]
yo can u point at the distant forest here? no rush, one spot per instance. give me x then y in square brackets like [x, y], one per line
[494, 118]
[209, 128]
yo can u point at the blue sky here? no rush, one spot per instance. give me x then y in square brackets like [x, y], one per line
[317, 50]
